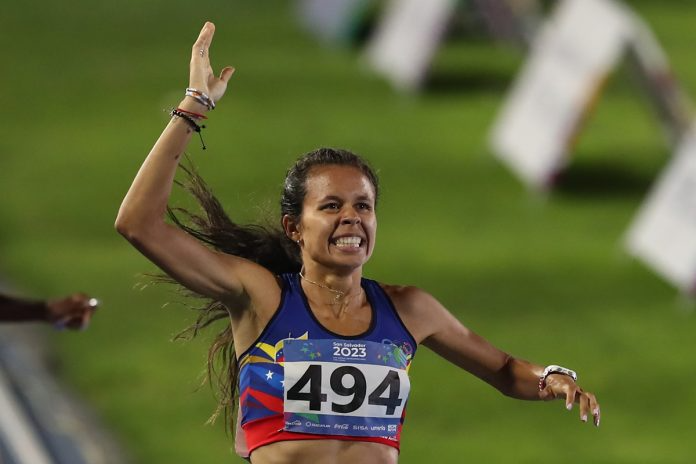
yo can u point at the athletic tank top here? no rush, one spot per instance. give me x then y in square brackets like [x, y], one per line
[300, 381]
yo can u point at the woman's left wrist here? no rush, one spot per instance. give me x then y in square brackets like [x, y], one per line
[555, 369]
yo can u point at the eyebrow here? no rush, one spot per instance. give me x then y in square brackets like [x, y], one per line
[337, 198]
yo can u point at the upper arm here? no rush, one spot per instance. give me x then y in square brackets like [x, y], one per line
[435, 327]
[233, 280]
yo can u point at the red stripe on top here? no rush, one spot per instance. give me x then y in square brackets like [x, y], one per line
[270, 430]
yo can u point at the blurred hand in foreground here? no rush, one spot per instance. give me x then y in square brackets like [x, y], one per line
[72, 312]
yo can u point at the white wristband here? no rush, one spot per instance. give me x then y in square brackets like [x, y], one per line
[554, 369]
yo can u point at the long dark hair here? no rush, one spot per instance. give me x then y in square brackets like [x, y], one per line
[266, 245]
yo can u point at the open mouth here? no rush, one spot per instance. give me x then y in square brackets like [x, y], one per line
[347, 242]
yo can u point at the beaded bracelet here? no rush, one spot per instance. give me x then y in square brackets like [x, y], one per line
[191, 122]
[200, 97]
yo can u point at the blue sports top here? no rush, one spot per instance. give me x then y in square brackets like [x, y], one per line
[287, 373]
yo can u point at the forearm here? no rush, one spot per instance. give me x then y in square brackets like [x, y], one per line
[518, 379]
[20, 310]
[146, 200]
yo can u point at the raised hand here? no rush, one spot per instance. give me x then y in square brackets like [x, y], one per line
[201, 75]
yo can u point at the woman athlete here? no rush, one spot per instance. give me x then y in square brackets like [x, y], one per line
[318, 353]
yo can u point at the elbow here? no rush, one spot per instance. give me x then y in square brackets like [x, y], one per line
[126, 230]
[130, 227]
[123, 224]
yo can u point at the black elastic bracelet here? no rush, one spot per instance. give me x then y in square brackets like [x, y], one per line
[191, 122]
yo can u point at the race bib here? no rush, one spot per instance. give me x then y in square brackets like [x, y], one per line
[344, 387]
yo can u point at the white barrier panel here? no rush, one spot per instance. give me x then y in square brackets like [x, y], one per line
[664, 232]
[407, 38]
[571, 57]
[653, 69]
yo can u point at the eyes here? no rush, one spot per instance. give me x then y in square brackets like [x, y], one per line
[335, 206]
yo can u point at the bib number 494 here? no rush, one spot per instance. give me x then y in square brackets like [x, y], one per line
[386, 393]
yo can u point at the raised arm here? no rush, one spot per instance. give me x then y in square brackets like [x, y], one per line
[141, 218]
[435, 327]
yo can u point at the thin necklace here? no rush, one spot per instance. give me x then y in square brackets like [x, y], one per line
[338, 294]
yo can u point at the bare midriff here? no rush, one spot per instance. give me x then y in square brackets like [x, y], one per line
[325, 452]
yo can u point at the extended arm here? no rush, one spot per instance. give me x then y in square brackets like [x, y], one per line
[440, 331]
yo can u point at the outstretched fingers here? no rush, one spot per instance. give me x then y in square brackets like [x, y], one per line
[201, 76]
[201, 48]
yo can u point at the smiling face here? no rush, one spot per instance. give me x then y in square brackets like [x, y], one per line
[338, 223]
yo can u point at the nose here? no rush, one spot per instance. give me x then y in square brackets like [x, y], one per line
[351, 217]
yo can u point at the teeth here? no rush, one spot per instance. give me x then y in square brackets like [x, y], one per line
[348, 242]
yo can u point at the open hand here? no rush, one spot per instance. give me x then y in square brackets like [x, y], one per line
[201, 75]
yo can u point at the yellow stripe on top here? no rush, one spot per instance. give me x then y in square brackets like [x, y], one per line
[253, 356]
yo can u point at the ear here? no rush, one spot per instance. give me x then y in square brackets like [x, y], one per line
[291, 228]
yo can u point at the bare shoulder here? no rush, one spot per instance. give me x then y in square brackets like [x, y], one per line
[408, 297]
[417, 308]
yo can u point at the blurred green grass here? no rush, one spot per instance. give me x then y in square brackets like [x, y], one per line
[545, 278]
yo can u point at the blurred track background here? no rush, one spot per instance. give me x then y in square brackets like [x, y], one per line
[84, 89]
